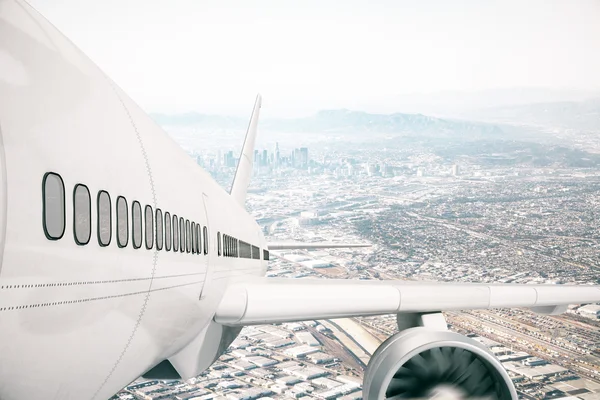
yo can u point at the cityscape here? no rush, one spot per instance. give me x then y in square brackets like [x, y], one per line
[517, 209]
[412, 210]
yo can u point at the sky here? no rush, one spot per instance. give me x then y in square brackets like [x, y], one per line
[213, 56]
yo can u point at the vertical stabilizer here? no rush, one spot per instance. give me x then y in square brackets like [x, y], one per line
[244, 167]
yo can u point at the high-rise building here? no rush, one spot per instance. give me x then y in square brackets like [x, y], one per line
[455, 170]
[265, 157]
[303, 157]
[256, 157]
[228, 159]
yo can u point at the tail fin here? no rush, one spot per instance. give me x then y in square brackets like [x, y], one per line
[241, 180]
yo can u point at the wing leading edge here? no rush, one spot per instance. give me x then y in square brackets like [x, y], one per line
[276, 300]
[318, 245]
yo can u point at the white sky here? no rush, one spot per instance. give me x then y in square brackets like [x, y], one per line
[214, 56]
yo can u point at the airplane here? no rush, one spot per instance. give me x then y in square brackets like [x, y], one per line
[120, 257]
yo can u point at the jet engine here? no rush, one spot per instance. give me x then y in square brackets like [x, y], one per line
[426, 363]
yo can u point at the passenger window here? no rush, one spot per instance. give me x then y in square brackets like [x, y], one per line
[198, 239]
[149, 222]
[194, 238]
[122, 222]
[188, 236]
[255, 253]
[53, 194]
[104, 218]
[181, 234]
[167, 231]
[82, 214]
[136, 224]
[218, 243]
[205, 234]
[159, 229]
[266, 255]
[245, 251]
[175, 233]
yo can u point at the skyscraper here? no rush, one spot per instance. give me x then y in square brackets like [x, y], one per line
[303, 157]
[455, 170]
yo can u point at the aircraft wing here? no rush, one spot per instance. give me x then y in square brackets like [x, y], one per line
[275, 300]
[318, 245]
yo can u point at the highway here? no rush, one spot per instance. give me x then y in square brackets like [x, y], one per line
[356, 339]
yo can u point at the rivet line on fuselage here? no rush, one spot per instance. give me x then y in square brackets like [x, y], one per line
[67, 302]
[62, 284]
[154, 259]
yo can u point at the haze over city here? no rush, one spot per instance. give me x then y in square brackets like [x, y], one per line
[386, 56]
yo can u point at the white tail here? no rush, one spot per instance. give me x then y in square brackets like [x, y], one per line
[239, 187]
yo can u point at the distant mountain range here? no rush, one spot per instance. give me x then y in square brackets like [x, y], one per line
[340, 121]
[583, 115]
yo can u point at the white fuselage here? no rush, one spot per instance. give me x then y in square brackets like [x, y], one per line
[82, 321]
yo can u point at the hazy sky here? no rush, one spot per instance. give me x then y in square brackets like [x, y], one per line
[214, 56]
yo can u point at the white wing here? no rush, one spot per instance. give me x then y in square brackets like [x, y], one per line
[275, 300]
[317, 245]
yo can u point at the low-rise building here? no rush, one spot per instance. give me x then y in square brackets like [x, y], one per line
[534, 361]
[301, 351]
[307, 338]
[326, 382]
[320, 358]
[308, 373]
[590, 311]
[261, 361]
[243, 365]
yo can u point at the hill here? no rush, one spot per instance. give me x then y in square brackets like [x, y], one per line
[340, 121]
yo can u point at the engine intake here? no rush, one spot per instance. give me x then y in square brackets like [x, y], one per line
[426, 363]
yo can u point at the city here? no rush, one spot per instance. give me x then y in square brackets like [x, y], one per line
[441, 209]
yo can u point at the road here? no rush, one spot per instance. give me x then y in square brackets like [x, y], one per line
[354, 337]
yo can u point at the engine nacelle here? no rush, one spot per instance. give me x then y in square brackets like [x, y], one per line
[426, 363]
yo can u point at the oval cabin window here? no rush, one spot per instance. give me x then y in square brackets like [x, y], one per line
[194, 238]
[168, 231]
[82, 214]
[181, 234]
[175, 233]
[149, 223]
[205, 237]
[53, 193]
[188, 236]
[159, 229]
[136, 224]
[104, 218]
[122, 222]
